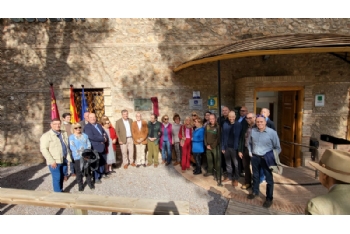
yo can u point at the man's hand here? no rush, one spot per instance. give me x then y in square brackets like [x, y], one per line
[223, 151]
[53, 165]
[208, 147]
[114, 141]
[240, 154]
[120, 143]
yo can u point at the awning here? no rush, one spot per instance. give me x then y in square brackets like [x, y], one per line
[275, 45]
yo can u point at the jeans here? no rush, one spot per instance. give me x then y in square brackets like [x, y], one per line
[101, 167]
[166, 151]
[258, 163]
[262, 175]
[57, 177]
[198, 157]
[231, 157]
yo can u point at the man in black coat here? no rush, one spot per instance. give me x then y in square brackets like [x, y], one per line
[269, 123]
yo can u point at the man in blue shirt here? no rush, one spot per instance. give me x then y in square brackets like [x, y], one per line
[262, 140]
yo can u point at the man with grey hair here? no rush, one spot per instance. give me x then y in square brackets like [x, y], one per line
[262, 143]
[124, 133]
[139, 132]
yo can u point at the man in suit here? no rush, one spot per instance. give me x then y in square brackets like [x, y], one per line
[124, 133]
[334, 174]
[242, 119]
[55, 149]
[84, 121]
[139, 132]
[98, 139]
[266, 112]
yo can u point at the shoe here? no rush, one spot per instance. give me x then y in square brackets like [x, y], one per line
[112, 172]
[81, 189]
[92, 187]
[149, 164]
[126, 166]
[133, 164]
[207, 174]
[183, 171]
[167, 164]
[225, 179]
[242, 174]
[163, 161]
[155, 165]
[137, 166]
[144, 165]
[65, 178]
[74, 175]
[98, 181]
[197, 172]
[251, 196]
[246, 186]
[188, 169]
[267, 204]
[106, 176]
[176, 163]
[234, 183]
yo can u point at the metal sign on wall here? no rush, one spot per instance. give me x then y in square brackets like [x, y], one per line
[196, 104]
[212, 102]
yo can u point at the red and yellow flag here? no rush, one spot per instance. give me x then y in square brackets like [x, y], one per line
[54, 109]
[72, 107]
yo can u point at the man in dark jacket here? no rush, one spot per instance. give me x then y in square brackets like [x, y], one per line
[229, 146]
[243, 149]
[269, 123]
[98, 139]
[153, 140]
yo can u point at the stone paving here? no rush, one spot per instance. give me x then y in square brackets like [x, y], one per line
[292, 191]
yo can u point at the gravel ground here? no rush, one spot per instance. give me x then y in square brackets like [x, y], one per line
[162, 183]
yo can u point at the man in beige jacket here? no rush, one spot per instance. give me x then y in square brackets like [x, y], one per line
[334, 174]
[139, 132]
[55, 148]
[124, 133]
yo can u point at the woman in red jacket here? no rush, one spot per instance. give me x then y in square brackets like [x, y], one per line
[185, 136]
[111, 146]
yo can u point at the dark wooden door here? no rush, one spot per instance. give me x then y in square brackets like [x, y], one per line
[288, 121]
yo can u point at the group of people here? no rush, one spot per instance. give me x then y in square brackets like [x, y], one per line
[244, 145]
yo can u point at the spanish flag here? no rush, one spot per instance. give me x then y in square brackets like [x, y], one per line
[72, 107]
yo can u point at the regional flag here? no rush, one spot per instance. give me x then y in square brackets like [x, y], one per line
[54, 109]
[72, 107]
[84, 106]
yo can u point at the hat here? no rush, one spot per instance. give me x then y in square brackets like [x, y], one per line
[335, 164]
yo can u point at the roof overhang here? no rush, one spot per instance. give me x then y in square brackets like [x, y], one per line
[274, 45]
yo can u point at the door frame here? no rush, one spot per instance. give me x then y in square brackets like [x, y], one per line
[299, 122]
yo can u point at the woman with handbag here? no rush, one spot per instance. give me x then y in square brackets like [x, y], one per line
[78, 142]
[185, 135]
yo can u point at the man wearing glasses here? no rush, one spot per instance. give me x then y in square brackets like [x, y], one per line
[55, 149]
[243, 149]
[262, 143]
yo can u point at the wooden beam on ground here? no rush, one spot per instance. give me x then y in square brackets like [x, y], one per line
[81, 203]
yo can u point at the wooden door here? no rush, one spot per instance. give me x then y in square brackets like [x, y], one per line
[288, 121]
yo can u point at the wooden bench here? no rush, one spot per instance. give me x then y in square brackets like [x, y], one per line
[81, 203]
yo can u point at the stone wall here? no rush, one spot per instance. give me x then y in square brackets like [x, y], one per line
[134, 58]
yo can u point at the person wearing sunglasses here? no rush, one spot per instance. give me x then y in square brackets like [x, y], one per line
[78, 142]
[166, 140]
[111, 146]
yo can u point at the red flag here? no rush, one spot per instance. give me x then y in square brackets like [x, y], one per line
[72, 107]
[54, 109]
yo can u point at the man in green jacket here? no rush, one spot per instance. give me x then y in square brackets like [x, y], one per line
[211, 141]
[153, 141]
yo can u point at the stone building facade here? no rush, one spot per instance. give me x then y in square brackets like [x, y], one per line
[135, 58]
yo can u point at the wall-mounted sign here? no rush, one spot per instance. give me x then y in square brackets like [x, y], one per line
[319, 100]
[196, 104]
[142, 104]
[196, 94]
[213, 102]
